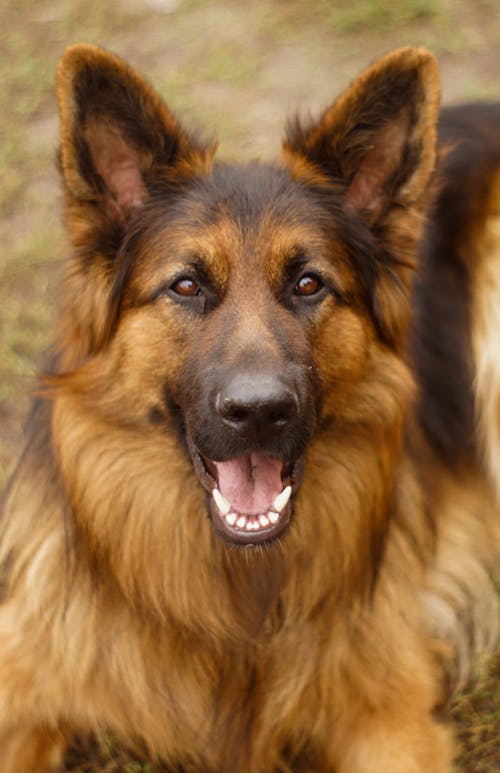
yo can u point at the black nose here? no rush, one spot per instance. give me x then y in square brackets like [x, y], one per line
[257, 405]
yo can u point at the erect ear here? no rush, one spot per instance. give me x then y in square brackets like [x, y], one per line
[377, 144]
[117, 135]
[118, 140]
[378, 138]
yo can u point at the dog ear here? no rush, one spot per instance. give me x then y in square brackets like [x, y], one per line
[377, 145]
[117, 135]
[378, 138]
[118, 139]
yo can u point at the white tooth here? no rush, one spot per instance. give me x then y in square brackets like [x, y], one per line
[223, 505]
[273, 517]
[263, 520]
[256, 524]
[281, 500]
[249, 525]
[231, 519]
[241, 522]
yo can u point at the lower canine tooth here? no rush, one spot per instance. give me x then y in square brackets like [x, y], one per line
[241, 522]
[231, 519]
[281, 500]
[223, 505]
[263, 520]
[273, 517]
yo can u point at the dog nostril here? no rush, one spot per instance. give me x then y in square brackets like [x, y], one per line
[234, 411]
[284, 408]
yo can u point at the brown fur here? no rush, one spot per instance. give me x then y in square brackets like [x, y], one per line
[122, 611]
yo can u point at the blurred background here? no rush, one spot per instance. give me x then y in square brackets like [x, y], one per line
[236, 69]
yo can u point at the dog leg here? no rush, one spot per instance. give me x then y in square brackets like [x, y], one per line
[394, 745]
[37, 750]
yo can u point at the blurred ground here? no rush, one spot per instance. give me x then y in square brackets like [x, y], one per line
[236, 69]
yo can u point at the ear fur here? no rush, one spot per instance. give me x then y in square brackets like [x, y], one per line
[377, 144]
[118, 138]
[378, 138]
[116, 132]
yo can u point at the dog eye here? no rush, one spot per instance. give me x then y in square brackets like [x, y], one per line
[186, 287]
[307, 285]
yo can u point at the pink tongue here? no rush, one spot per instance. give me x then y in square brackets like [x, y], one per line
[251, 483]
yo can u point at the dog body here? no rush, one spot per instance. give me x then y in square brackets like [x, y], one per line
[301, 339]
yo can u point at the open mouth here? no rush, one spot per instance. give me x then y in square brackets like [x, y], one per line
[250, 495]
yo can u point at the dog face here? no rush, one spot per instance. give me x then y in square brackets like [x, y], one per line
[243, 303]
[248, 271]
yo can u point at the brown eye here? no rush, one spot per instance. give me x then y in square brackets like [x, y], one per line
[308, 284]
[186, 287]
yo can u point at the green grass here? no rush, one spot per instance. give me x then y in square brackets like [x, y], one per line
[477, 714]
[378, 15]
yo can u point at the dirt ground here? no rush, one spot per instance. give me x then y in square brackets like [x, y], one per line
[237, 70]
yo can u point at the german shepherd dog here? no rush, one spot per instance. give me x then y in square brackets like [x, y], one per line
[255, 524]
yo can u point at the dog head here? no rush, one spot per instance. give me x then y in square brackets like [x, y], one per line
[240, 304]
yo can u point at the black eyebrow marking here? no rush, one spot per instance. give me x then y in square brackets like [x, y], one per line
[199, 268]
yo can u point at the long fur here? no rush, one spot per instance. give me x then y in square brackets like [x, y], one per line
[122, 612]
